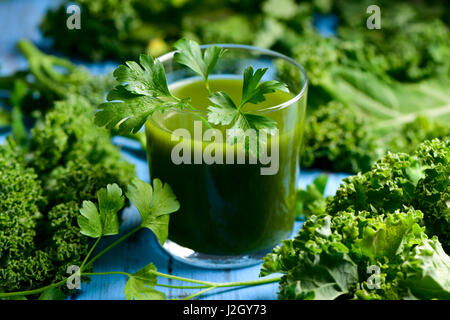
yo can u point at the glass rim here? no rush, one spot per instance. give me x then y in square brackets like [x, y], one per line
[170, 55]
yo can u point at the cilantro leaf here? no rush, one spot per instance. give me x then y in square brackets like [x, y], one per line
[154, 205]
[253, 91]
[106, 222]
[190, 55]
[140, 286]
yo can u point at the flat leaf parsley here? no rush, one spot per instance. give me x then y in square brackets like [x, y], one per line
[143, 90]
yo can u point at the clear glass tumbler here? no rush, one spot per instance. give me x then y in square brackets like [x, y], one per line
[231, 215]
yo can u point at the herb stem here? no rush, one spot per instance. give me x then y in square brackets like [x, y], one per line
[115, 243]
[180, 287]
[107, 273]
[200, 117]
[219, 285]
[35, 291]
[207, 87]
[198, 293]
[169, 276]
[248, 283]
[89, 253]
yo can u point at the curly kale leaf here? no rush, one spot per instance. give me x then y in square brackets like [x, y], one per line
[331, 257]
[65, 246]
[420, 180]
[312, 200]
[336, 139]
[427, 271]
[21, 203]
[74, 157]
[382, 221]
[432, 193]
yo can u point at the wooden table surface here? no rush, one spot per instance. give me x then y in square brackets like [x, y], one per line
[19, 19]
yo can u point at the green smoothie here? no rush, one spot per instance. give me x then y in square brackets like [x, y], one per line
[228, 208]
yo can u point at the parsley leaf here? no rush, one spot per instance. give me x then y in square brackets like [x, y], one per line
[190, 55]
[224, 111]
[253, 91]
[104, 221]
[130, 111]
[140, 285]
[154, 205]
[245, 121]
[52, 294]
[149, 80]
[142, 91]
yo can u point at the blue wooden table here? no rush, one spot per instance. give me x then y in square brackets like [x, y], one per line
[19, 19]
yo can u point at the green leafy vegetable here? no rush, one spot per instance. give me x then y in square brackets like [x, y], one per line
[225, 112]
[52, 294]
[154, 205]
[190, 55]
[140, 285]
[148, 78]
[374, 222]
[143, 91]
[104, 221]
[312, 200]
[18, 127]
[253, 90]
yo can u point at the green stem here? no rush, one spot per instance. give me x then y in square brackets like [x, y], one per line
[169, 276]
[112, 245]
[106, 273]
[130, 275]
[180, 287]
[200, 117]
[207, 87]
[86, 264]
[89, 253]
[198, 293]
[248, 283]
[30, 292]
[219, 285]
[203, 284]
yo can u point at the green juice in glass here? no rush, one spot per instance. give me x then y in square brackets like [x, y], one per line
[228, 209]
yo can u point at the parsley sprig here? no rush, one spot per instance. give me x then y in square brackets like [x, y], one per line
[225, 112]
[190, 55]
[155, 204]
[143, 90]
